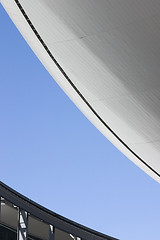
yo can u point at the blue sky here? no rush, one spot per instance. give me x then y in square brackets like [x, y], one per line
[51, 153]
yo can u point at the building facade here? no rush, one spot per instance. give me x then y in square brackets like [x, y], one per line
[22, 219]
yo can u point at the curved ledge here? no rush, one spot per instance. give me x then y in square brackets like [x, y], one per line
[50, 217]
[40, 47]
[77, 90]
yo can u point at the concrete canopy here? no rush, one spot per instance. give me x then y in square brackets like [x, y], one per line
[105, 55]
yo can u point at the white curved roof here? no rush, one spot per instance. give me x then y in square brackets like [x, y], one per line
[106, 56]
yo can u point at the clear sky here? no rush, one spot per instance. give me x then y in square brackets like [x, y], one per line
[51, 153]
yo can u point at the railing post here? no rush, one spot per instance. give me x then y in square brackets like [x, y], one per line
[51, 232]
[22, 232]
[75, 238]
[0, 207]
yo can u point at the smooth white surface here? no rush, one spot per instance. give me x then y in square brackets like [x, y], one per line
[110, 51]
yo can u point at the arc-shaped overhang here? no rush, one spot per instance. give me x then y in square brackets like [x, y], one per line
[50, 217]
[105, 55]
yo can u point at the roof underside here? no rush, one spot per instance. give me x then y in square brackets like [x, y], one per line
[105, 55]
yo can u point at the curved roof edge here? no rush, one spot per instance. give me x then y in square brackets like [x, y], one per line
[28, 31]
[50, 217]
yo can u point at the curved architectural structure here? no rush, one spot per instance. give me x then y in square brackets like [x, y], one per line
[36, 222]
[105, 55]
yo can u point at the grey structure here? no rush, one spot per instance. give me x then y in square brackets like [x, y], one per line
[22, 233]
[51, 232]
[55, 226]
[0, 207]
[105, 55]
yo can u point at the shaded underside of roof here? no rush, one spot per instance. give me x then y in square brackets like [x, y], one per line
[105, 55]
